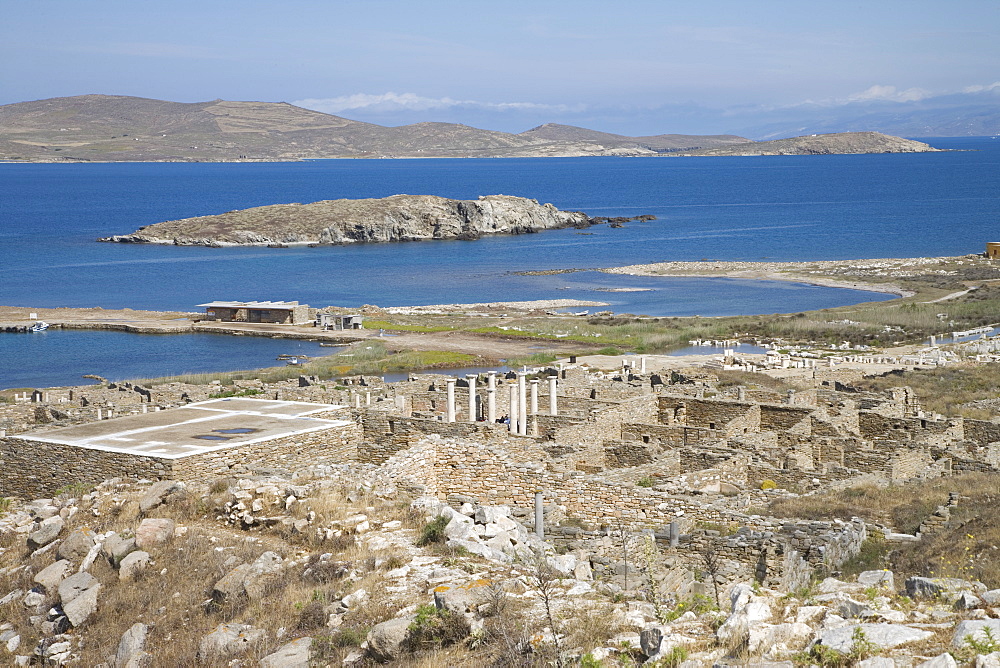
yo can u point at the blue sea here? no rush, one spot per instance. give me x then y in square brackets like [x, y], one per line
[739, 208]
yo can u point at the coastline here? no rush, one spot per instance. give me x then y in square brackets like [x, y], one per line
[809, 273]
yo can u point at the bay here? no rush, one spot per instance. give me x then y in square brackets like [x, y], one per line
[739, 208]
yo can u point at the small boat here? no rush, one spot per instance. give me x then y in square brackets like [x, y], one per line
[40, 326]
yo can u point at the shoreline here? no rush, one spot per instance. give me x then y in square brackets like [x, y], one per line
[788, 272]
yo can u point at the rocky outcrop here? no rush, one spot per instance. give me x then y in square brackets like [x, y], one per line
[344, 221]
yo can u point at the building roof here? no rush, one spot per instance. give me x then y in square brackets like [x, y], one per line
[274, 306]
[196, 428]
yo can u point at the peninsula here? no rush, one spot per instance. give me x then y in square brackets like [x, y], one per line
[345, 221]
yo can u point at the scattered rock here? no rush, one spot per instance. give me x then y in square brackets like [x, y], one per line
[133, 564]
[154, 531]
[229, 640]
[884, 636]
[385, 640]
[293, 655]
[76, 545]
[50, 576]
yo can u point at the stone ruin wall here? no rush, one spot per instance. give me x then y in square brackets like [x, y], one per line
[337, 445]
[35, 469]
[32, 469]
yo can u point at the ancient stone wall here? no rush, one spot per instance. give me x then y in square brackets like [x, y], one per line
[330, 446]
[31, 469]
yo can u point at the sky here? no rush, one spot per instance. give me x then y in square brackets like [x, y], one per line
[632, 67]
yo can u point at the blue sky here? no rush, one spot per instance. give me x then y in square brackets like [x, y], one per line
[640, 67]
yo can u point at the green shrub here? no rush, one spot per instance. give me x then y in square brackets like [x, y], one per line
[645, 481]
[433, 531]
[436, 628]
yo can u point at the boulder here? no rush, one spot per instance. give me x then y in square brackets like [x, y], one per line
[114, 548]
[966, 600]
[991, 660]
[50, 576]
[76, 545]
[492, 514]
[132, 564]
[82, 606]
[651, 638]
[292, 655]
[562, 564]
[264, 573]
[940, 661]
[879, 579]
[159, 493]
[991, 597]
[458, 600]
[230, 587]
[47, 532]
[250, 581]
[766, 637]
[131, 646]
[877, 662]
[75, 585]
[884, 636]
[228, 640]
[947, 589]
[385, 640]
[981, 630]
[154, 531]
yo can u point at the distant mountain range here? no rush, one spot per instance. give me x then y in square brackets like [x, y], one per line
[119, 128]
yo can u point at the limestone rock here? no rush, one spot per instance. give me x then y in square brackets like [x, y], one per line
[292, 655]
[115, 547]
[47, 532]
[131, 646]
[385, 640]
[75, 585]
[766, 637]
[76, 545]
[940, 661]
[251, 581]
[82, 606]
[50, 576]
[879, 579]
[159, 493]
[228, 640]
[885, 636]
[132, 564]
[947, 589]
[977, 629]
[991, 660]
[154, 531]
[458, 600]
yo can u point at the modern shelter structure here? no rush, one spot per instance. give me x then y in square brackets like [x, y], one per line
[285, 313]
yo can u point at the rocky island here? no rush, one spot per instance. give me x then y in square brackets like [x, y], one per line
[827, 144]
[344, 221]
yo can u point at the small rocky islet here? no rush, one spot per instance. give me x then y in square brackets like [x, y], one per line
[347, 221]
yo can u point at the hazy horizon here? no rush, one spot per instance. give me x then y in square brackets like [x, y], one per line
[639, 68]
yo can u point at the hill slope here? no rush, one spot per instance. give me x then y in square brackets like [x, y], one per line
[118, 128]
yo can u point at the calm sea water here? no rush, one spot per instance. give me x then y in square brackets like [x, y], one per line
[762, 208]
[61, 357]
